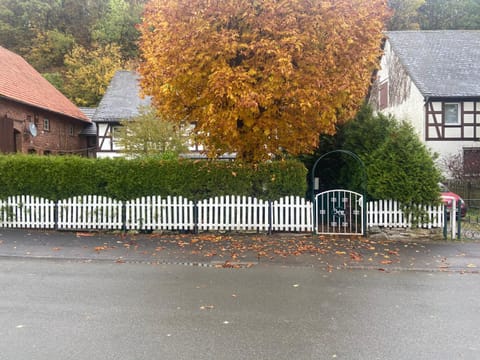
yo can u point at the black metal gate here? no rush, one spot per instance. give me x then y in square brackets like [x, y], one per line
[339, 212]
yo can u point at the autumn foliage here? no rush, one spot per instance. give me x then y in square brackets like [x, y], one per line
[260, 78]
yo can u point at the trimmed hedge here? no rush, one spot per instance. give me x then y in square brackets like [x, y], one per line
[58, 177]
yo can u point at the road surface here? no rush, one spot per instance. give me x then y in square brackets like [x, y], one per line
[54, 309]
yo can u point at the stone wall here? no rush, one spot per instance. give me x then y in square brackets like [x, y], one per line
[381, 233]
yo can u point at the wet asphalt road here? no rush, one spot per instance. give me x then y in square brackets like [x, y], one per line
[103, 310]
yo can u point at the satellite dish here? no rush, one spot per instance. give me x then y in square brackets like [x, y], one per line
[32, 129]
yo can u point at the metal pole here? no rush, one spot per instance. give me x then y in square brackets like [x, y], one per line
[459, 220]
[445, 222]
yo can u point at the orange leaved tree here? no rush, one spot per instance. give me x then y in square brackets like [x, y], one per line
[260, 77]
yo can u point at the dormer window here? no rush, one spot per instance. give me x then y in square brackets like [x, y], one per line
[452, 114]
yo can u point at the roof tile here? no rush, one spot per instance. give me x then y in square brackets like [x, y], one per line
[122, 100]
[442, 63]
[20, 82]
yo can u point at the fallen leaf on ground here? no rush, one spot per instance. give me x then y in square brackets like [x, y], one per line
[85, 234]
[228, 264]
[355, 256]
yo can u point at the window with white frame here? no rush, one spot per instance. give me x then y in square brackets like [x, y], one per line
[114, 134]
[452, 114]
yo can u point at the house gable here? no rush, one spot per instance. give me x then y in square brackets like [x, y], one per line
[441, 63]
[20, 82]
[121, 101]
[34, 116]
[395, 93]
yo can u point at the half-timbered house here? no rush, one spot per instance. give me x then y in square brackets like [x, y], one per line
[121, 101]
[34, 116]
[432, 79]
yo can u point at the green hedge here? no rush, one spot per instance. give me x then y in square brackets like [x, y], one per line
[58, 177]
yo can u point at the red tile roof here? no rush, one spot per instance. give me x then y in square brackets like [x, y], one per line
[20, 82]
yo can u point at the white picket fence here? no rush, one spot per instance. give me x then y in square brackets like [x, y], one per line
[157, 213]
[233, 213]
[242, 213]
[292, 214]
[224, 213]
[25, 211]
[388, 213]
[89, 212]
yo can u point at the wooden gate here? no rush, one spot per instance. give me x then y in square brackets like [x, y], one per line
[339, 212]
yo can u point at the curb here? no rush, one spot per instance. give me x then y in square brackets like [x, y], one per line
[239, 265]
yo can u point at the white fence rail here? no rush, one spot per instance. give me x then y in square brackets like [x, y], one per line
[229, 213]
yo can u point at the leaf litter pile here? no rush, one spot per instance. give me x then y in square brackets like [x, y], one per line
[239, 251]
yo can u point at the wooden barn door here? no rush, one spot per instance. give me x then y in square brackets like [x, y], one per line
[7, 136]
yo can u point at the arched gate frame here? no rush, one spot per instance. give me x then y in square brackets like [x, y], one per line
[341, 212]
